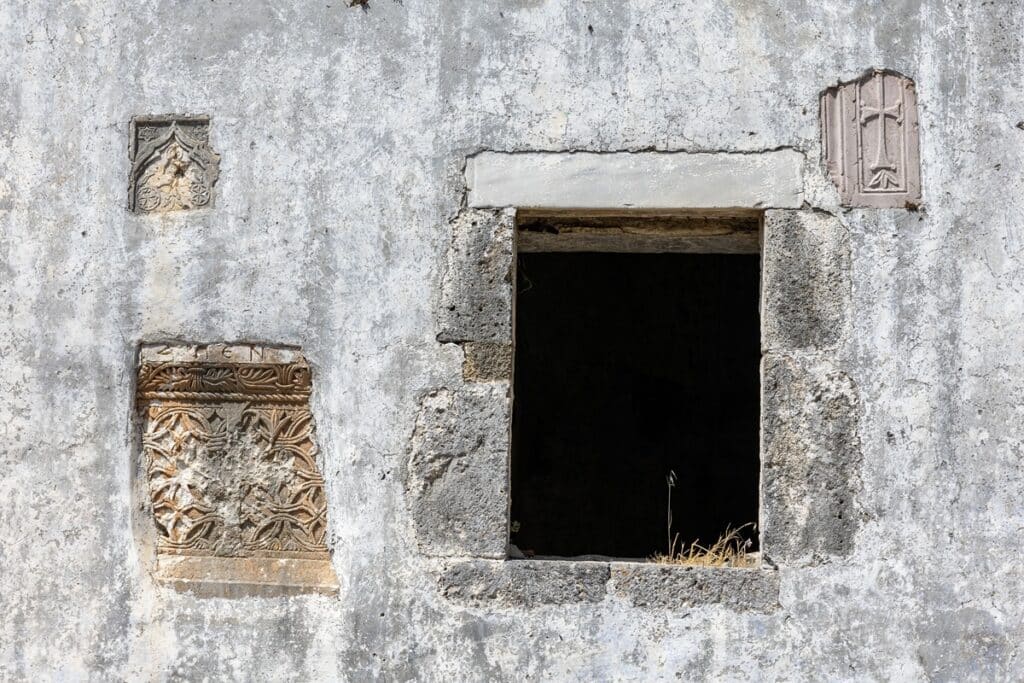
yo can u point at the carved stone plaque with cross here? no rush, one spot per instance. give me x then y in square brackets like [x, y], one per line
[870, 140]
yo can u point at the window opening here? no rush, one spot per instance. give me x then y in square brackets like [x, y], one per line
[632, 369]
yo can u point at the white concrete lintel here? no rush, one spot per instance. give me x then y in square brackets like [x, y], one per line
[636, 180]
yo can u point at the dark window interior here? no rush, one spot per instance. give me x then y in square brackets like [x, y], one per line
[628, 366]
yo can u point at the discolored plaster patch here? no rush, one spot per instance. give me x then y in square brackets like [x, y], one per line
[487, 361]
[964, 644]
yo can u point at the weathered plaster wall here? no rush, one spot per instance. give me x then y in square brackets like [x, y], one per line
[343, 134]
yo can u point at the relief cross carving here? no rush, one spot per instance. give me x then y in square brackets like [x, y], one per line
[882, 168]
[869, 136]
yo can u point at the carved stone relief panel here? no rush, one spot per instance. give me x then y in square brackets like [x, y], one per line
[173, 167]
[230, 460]
[870, 140]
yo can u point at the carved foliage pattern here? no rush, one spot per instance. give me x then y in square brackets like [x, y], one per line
[281, 381]
[231, 469]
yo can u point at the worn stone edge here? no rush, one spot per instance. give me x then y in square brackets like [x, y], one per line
[246, 576]
[532, 583]
[677, 587]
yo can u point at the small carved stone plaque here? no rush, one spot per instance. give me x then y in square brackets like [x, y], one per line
[870, 140]
[173, 167]
[230, 464]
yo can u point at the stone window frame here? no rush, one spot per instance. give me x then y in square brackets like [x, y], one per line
[457, 478]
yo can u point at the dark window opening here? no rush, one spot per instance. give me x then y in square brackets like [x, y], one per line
[629, 366]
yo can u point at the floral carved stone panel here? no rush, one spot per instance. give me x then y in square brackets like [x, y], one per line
[870, 140]
[173, 167]
[230, 460]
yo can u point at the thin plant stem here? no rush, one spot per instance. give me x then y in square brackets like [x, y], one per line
[671, 481]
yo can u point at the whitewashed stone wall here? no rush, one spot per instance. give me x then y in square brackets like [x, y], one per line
[343, 136]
